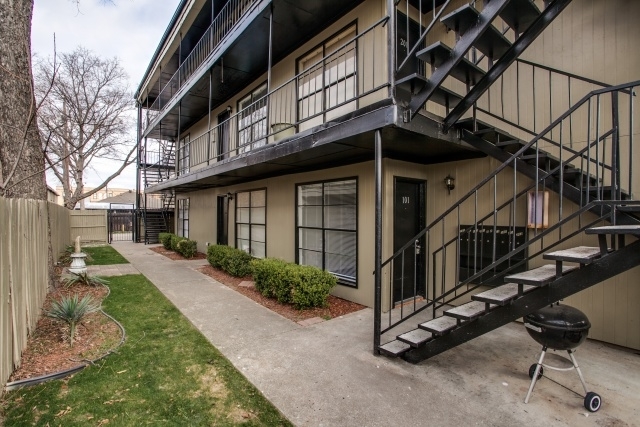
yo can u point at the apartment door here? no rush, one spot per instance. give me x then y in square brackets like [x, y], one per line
[222, 236]
[224, 134]
[408, 220]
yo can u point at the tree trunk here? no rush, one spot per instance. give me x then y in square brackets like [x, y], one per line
[21, 157]
[19, 138]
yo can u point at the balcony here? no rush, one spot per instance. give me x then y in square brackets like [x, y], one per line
[231, 14]
[349, 79]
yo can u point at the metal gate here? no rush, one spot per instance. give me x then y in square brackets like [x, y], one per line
[120, 224]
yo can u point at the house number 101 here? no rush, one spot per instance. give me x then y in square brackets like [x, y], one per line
[405, 200]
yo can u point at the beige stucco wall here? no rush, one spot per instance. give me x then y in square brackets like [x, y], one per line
[591, 38]
[371, 47]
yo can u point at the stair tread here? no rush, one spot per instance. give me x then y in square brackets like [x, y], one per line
[413, 83]
[502, 294]
[614, 229]
[439, 325]
[581, 254]
[520, 14]
[415, 337]
[540, 276]
[468, 311]
[437, 53]
[491, 42]
[394, 348]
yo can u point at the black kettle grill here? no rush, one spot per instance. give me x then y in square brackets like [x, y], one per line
[559, 327]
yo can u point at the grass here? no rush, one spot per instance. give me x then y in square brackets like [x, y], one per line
[103, 255]
[166, 373]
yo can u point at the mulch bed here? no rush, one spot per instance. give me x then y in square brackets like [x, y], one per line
[48, 349]
[336, 307]
[174, 255]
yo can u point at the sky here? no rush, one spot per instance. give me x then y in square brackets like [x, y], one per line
[127, 29]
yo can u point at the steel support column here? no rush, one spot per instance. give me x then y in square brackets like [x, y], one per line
[269, 65]
[209, 116]
[136, 223]
[391, 47]
[378, 243]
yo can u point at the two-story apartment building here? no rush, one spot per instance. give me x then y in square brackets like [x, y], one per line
[443, 144]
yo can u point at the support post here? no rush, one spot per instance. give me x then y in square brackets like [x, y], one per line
[377, 315]
[391, 46]
[269, 66]
[209, 116]
[136, 223]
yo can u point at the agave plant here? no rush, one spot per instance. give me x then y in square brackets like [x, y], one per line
[71, 311]
[85, 279]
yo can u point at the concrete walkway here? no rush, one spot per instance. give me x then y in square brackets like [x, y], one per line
[326, 375]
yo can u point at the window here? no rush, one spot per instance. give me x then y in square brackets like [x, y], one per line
[183, 155]
[95, 196]
[326, 83]
[110, 194]
[326, 223]
[251, 219]
[183, 218]
[252, 120]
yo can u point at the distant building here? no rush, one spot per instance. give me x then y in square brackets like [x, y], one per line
[93, 201]
[53, 196]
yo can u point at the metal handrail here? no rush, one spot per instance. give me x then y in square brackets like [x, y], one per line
[206, 148]
[596, 151]
[423, 35]
[223, 23]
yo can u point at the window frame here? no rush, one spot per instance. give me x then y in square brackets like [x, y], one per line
[236, 223]
[323, 45]
[184, 152]
[298, 227]
[261, 140]
[180, 218]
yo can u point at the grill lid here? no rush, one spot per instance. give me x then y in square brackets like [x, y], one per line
[559, 317]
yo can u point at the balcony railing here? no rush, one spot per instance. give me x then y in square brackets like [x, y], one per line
[349, 78]
[224, 22]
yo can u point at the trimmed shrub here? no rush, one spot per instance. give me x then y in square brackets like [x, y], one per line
[187, 248]
[216, 255]
[312, 287]
[234, 261]
[272, 278]
[238, 263]
[302, 285]
[165, 239]
[174, 242]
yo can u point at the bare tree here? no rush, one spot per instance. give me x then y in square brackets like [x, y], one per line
[86, 115]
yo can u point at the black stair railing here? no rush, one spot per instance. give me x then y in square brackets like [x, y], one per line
[529, 96]
[506, 203]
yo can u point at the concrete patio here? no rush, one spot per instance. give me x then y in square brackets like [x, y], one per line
[326, 375]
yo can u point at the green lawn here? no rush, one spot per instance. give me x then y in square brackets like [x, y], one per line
[166, 373]
[103, 255]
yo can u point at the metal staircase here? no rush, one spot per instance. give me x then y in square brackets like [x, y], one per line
[590, 171]
[157, 211]
[481, 54]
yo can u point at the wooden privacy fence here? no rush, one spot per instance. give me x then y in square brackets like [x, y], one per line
[24, 273]
[90, 225]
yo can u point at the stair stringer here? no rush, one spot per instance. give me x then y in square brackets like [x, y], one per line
[500, 66]
[568, 191]
[604, 268]
[490, 12]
